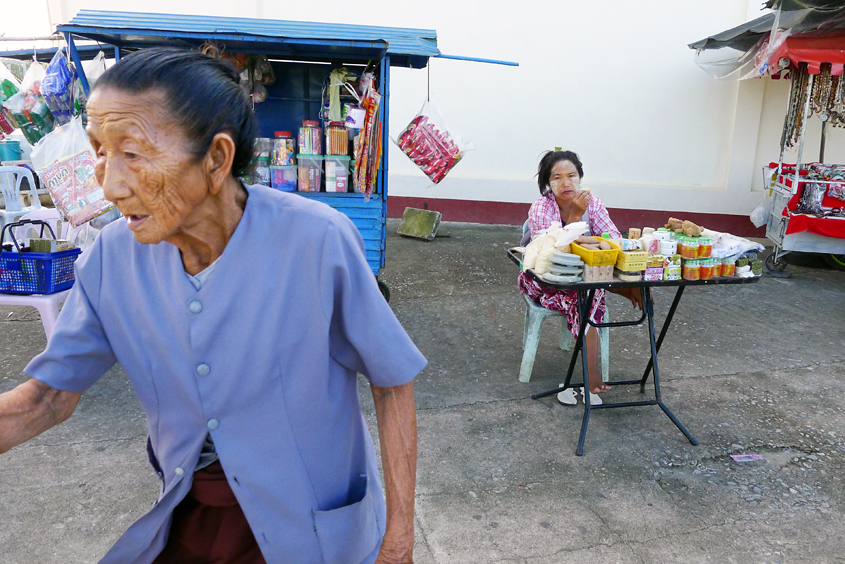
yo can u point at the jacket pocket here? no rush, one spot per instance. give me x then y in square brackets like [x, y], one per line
[350, 533]
[151, 457]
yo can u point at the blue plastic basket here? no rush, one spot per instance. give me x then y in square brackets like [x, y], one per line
[35, 273]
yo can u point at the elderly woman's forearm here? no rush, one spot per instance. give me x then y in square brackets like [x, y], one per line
[397, 427]
[30, 409]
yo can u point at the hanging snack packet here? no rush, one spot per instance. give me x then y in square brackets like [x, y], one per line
[57, 88]
[431, 145]
[64, 161]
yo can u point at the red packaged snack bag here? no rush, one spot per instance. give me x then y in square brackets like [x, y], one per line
[431, 145]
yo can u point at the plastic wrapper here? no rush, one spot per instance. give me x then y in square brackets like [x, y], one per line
[64, 161]
[431, 145]
[28, 109]
[57, 88]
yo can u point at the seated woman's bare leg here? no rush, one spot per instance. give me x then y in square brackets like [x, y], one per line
[597, 386]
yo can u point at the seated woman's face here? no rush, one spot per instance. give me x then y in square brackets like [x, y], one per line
[144, 163]
[564, 181]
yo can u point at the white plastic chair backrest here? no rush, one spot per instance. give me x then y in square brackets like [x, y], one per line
[83, 235]
[48, 215]
[11, 178]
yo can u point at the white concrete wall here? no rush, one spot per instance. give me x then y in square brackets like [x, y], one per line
[612, 80]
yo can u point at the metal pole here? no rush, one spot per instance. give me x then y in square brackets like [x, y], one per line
[803, 132]
[821, 146]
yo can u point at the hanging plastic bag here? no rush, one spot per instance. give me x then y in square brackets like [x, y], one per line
[94, 68]
[760, 215]
[431, 145]
[57, 88]
[64, 161]
[28, 109]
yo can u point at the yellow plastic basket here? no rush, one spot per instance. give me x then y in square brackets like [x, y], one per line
[597, 258]
[629, 261]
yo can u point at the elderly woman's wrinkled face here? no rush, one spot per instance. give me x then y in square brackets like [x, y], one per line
[144, 163]
[564, 180]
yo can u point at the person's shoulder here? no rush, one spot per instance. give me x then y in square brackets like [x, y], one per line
[308, 214]
[542, 202]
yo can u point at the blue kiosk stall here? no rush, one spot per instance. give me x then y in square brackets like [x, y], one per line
[302, 55]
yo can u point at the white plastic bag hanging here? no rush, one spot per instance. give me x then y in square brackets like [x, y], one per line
[64, 161]
[433, 147]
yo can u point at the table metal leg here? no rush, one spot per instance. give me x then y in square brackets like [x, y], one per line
[584, 312]
[579, 342]
[649, 304]
[663, 331]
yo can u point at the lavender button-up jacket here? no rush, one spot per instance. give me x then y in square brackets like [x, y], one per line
[263, 357]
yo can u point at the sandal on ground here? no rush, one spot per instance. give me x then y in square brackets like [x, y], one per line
[567, 396]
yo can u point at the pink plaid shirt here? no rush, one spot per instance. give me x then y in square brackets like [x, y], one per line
[544, 211]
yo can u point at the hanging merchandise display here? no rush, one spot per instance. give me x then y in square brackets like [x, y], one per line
[64, 161]
[28, 109]
[430, 144]
[57, 89]
[368, 145]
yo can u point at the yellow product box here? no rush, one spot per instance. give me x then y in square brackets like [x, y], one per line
[597, 258]
[629, 261]
[655, 260]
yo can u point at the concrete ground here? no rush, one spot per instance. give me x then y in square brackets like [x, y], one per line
[755, 369]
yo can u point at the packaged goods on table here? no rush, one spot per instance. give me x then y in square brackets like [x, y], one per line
[629, 276]
[654, 268]
[337, 173]
[672, 267]
[705, 271]
[602, 273]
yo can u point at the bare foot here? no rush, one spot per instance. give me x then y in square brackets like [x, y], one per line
[600, 389]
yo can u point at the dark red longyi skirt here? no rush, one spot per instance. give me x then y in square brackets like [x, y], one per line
[209, 526]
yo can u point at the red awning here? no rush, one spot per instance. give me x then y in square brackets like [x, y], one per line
[814, 51]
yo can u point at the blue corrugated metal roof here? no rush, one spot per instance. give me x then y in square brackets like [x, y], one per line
[132, 29]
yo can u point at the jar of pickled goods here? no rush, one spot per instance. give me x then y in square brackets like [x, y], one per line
[692, 245]
[682, 246]
[284, 149]
[691, 270]
[705, 269]
[728, 266]
[705, 247]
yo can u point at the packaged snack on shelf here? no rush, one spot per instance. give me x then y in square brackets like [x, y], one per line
[691, 245]
[337, 139]
[728, 266]
[64, 161]
[284, 149]
[431, 145]
[632, 260]
[310, 138]
[655, 260]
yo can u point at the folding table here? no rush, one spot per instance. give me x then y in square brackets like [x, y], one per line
[586, 292]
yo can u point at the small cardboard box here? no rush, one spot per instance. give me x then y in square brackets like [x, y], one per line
[653, 273]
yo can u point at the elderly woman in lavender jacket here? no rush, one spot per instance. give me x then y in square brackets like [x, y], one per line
[241, 316]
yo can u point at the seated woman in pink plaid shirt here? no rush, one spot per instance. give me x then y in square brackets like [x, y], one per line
[559, 178]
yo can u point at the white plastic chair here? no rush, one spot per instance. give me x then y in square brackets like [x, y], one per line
[534, 316]
[11, 178]
[48, 305]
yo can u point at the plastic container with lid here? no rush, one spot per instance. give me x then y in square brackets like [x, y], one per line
[337, 173]
[629, 276]
[310, 173]
[283, 178]
[705, 247]
[706, 269]
[691, 270]
[310, 138]
[337, 139]
[284, 149]
[681, 246]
